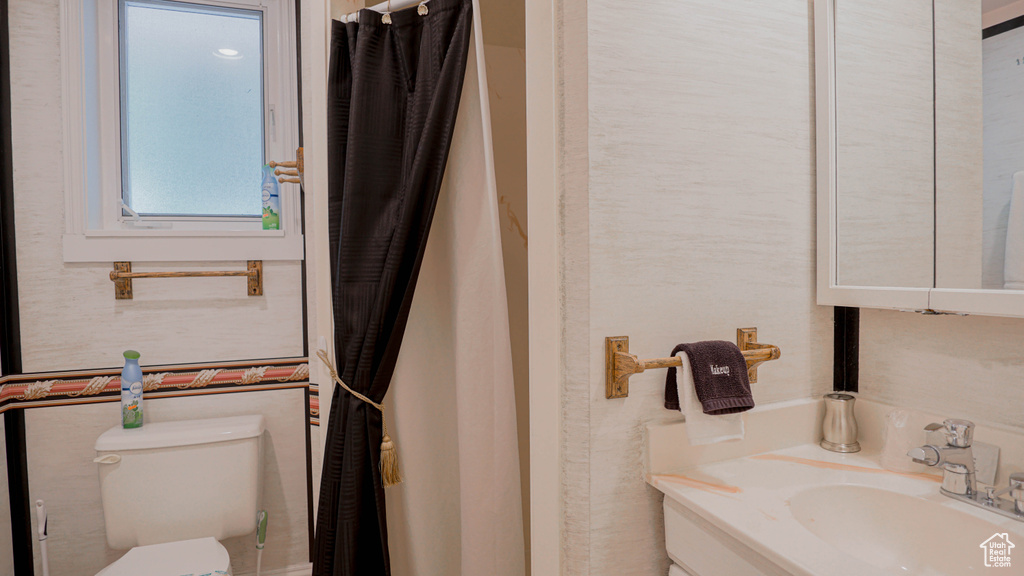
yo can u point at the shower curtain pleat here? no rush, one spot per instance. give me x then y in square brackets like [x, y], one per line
[393, 94]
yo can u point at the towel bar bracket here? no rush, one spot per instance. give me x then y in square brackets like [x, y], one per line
[122, 277]
[616, 352]
[620, 364]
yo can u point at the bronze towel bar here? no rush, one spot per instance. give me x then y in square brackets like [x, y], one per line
[620, 364]
[122, 277]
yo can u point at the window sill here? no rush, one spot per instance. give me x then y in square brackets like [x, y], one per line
[165, 233]
[182, 246]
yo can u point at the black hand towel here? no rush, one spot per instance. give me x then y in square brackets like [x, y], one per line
[719, 376]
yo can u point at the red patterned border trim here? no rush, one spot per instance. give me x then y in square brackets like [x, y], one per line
[31, 390]
[314, 405]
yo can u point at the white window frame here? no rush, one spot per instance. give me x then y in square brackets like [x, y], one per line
[95, 228]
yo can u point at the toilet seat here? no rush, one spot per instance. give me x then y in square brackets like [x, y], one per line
[186, 557]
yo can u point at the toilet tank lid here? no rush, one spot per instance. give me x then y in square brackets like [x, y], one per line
[180, 433]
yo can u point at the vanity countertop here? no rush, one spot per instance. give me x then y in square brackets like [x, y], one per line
[750, 499]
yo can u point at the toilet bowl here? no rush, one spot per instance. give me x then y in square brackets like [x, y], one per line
[172, 490]
[182, 558]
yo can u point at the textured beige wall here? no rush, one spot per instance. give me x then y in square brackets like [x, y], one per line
[6, 551]
[69, 318]
[572, 69]
[506, 79]
[341, 7]
[687, 212]
[504, 21]
[958, 366]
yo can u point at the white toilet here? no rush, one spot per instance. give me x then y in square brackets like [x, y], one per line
[172, 490]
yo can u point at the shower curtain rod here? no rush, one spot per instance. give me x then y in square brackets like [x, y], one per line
[396, 5]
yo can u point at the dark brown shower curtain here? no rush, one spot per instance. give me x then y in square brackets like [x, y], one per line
[393, 93]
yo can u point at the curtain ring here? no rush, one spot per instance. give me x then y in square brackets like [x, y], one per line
[423, 10]
[386, 18]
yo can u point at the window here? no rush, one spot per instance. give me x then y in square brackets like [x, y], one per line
[171, 110]
[191, 110]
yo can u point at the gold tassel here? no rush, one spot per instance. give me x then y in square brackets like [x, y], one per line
[389, 473]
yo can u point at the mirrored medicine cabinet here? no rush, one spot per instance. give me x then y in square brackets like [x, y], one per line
[920, 155]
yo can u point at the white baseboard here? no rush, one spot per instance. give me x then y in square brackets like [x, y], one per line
[298, 570]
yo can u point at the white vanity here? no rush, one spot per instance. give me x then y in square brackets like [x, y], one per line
[740, 509]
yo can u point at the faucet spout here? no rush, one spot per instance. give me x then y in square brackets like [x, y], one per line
[957, 464]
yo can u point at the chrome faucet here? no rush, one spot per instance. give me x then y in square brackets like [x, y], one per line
[956, 457]
[958, 473]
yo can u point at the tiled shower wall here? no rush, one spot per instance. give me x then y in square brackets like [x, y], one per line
[688, 211]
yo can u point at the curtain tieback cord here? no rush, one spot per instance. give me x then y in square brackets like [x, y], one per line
[389, 473]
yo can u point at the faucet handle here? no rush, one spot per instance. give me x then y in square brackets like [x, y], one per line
[926, 455]
[1015, 488]
[959, 433]
[991, 494]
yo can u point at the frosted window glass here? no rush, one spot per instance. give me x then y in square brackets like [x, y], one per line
[192, 109]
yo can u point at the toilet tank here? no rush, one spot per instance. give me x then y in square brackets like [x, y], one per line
[169, 481]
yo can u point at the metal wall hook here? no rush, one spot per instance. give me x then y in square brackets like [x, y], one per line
[296, 169]
[422, 10]
[386, 18]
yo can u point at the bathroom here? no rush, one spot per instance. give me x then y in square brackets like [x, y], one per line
[676, 171]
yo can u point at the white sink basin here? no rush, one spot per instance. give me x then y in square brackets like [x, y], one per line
[809, 512]
[896, 532]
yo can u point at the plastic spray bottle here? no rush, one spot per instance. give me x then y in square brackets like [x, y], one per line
[131, 391]
[271, 200]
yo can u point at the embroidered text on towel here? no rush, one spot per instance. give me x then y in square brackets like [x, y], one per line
[715, 369]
